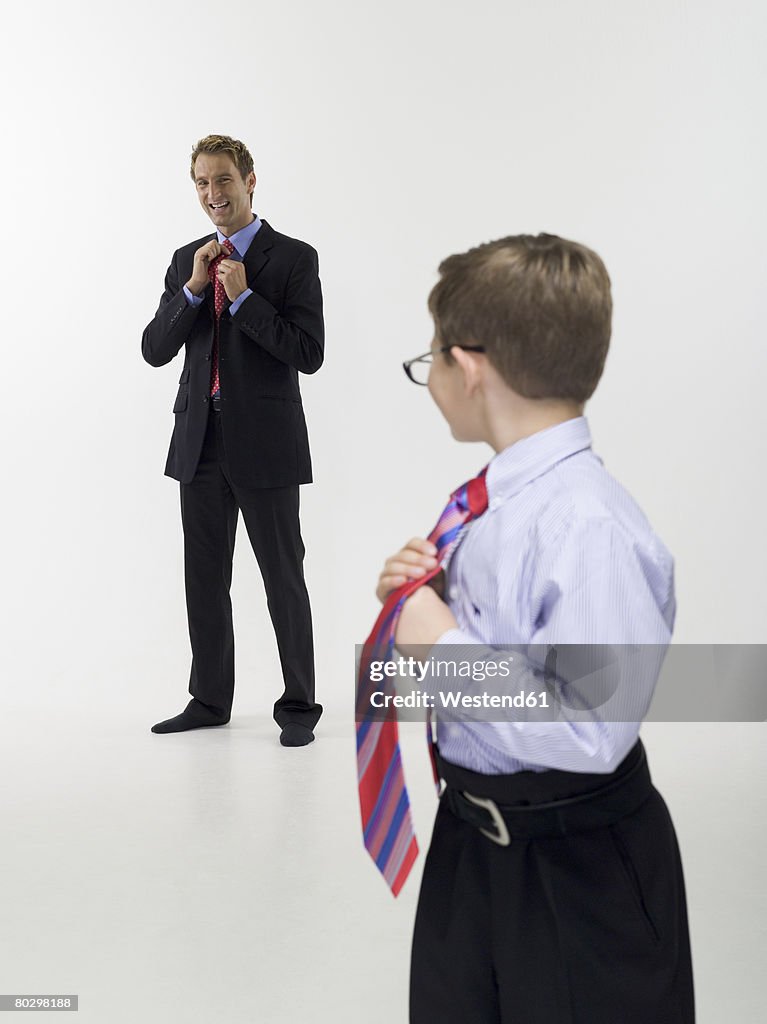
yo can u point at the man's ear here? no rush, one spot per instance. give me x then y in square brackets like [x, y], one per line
[250, 182]
[470, 364]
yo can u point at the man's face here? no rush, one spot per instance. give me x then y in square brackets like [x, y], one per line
[223, 194]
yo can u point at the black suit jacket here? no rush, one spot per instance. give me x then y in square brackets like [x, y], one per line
[276, 332]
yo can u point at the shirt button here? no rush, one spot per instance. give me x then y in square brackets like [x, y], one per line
[453, 592]
[494, 503]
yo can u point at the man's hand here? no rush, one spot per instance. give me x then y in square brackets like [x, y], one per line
[202, 259]
[411, 562]
[423, 620]
[231, 273]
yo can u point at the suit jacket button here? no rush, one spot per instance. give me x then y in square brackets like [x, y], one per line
[205, 399]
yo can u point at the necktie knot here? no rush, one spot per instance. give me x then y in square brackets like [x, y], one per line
[228, 248]
[471, 497]
[466, 503]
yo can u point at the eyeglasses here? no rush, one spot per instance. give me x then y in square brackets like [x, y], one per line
[418, 369]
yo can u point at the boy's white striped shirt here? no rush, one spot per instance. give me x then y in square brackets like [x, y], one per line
[563, 555]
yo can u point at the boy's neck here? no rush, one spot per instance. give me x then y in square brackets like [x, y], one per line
[523, 417]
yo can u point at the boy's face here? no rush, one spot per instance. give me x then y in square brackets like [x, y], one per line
[450, 389]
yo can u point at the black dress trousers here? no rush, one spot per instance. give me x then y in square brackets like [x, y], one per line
[210, 504]
[586, 927]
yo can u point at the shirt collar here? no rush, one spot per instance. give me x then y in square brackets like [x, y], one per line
[533, 456]
[241, 239]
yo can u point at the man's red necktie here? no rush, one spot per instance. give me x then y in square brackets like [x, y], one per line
[386, 819]
[219, 298]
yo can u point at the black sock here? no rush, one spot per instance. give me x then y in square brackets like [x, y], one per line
[194, 716]
[296, 735]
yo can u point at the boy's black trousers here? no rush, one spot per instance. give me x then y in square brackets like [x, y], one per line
[580, 919]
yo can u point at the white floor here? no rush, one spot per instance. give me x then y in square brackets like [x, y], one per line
[217, 877]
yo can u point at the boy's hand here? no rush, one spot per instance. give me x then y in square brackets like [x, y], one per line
[414, 560]
[425, 616]
[423, 620]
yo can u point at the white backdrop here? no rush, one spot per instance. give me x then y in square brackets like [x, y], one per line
[388, 136]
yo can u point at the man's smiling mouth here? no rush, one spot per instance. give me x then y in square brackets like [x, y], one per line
[219, 206]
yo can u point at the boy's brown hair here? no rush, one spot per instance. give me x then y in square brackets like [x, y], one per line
[541, 307]
[233, 148]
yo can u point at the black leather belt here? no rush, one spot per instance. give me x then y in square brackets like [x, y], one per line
[623, 793]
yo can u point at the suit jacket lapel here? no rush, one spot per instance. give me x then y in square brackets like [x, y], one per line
[257, 256]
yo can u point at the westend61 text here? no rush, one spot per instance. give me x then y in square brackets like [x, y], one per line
[458, 699]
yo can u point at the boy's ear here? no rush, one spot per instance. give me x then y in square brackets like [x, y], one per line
[471, 367]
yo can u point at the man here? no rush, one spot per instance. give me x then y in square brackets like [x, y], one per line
[246, 305]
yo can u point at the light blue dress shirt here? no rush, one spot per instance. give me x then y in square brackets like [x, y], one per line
[241, 241]
[563, 555]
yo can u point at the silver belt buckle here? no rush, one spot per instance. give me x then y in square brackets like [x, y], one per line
[501, 835]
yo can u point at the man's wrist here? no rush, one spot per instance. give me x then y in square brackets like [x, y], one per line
[191, 299]
[236, 303]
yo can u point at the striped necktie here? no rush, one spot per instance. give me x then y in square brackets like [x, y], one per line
[386, 819]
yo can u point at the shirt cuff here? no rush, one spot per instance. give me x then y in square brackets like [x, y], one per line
[239, 301]
[193, 300]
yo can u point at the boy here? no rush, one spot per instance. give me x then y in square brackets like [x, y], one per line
[553, 891]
